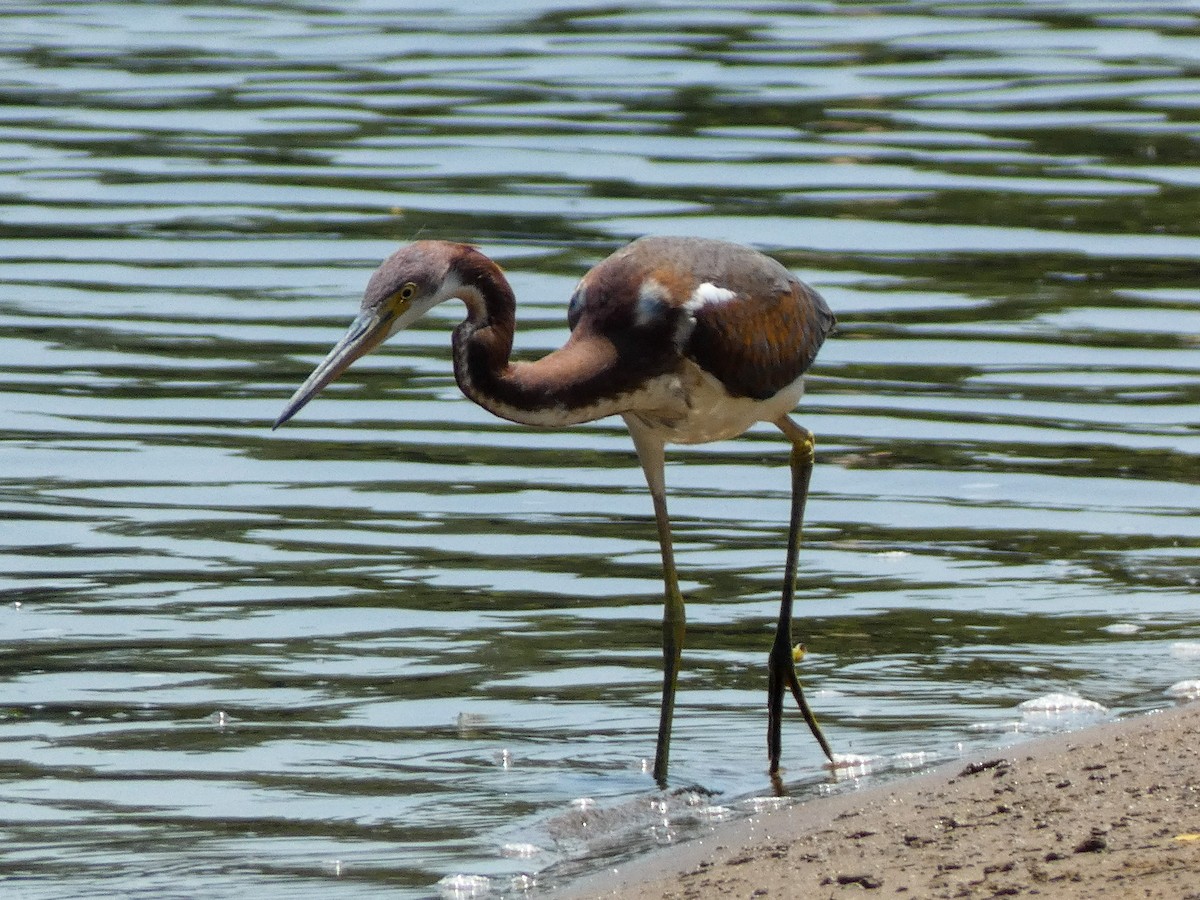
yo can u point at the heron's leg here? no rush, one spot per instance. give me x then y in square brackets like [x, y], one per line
[782, 666]
[650, 450]
[674, 622]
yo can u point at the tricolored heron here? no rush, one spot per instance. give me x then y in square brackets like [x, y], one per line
[688, 340]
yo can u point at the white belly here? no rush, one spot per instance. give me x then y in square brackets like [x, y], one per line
[692, 407]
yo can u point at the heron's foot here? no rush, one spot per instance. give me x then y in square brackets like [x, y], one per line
[782, 670]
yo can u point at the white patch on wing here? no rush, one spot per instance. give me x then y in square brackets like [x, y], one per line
[707, 293]
[651, 302]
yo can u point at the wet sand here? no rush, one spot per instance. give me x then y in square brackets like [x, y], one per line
[1108, 811]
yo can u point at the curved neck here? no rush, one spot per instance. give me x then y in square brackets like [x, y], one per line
[573, 384]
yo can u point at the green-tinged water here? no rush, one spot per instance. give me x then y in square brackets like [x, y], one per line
[400, 640]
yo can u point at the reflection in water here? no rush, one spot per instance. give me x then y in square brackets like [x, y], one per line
[375, 652]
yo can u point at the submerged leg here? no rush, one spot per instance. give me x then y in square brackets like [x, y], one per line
[781, 666]
[650, 450]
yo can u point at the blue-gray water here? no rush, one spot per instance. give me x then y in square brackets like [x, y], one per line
[399, 640]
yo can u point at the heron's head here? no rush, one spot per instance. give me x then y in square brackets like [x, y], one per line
[407, 285]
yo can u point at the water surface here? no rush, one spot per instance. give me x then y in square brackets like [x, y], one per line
[400, 640]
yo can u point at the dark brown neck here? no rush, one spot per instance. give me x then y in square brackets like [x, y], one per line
[483, 342]
[565, 387]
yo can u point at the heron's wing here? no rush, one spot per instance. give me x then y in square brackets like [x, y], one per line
[758, 345]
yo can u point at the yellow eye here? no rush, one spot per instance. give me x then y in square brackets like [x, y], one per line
[407, 292]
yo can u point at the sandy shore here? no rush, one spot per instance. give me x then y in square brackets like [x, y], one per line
[1110, 811]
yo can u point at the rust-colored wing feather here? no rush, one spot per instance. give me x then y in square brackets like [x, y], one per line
[756, 341]
[758, 345]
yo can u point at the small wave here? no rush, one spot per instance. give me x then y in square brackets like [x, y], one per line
[1061, 703]
[1184, 690]
[464, 887]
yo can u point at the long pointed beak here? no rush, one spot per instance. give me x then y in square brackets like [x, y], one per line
[365, 334]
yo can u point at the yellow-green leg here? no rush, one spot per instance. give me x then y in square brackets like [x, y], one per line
[781, 666]
[650, 450]
[674, 626]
